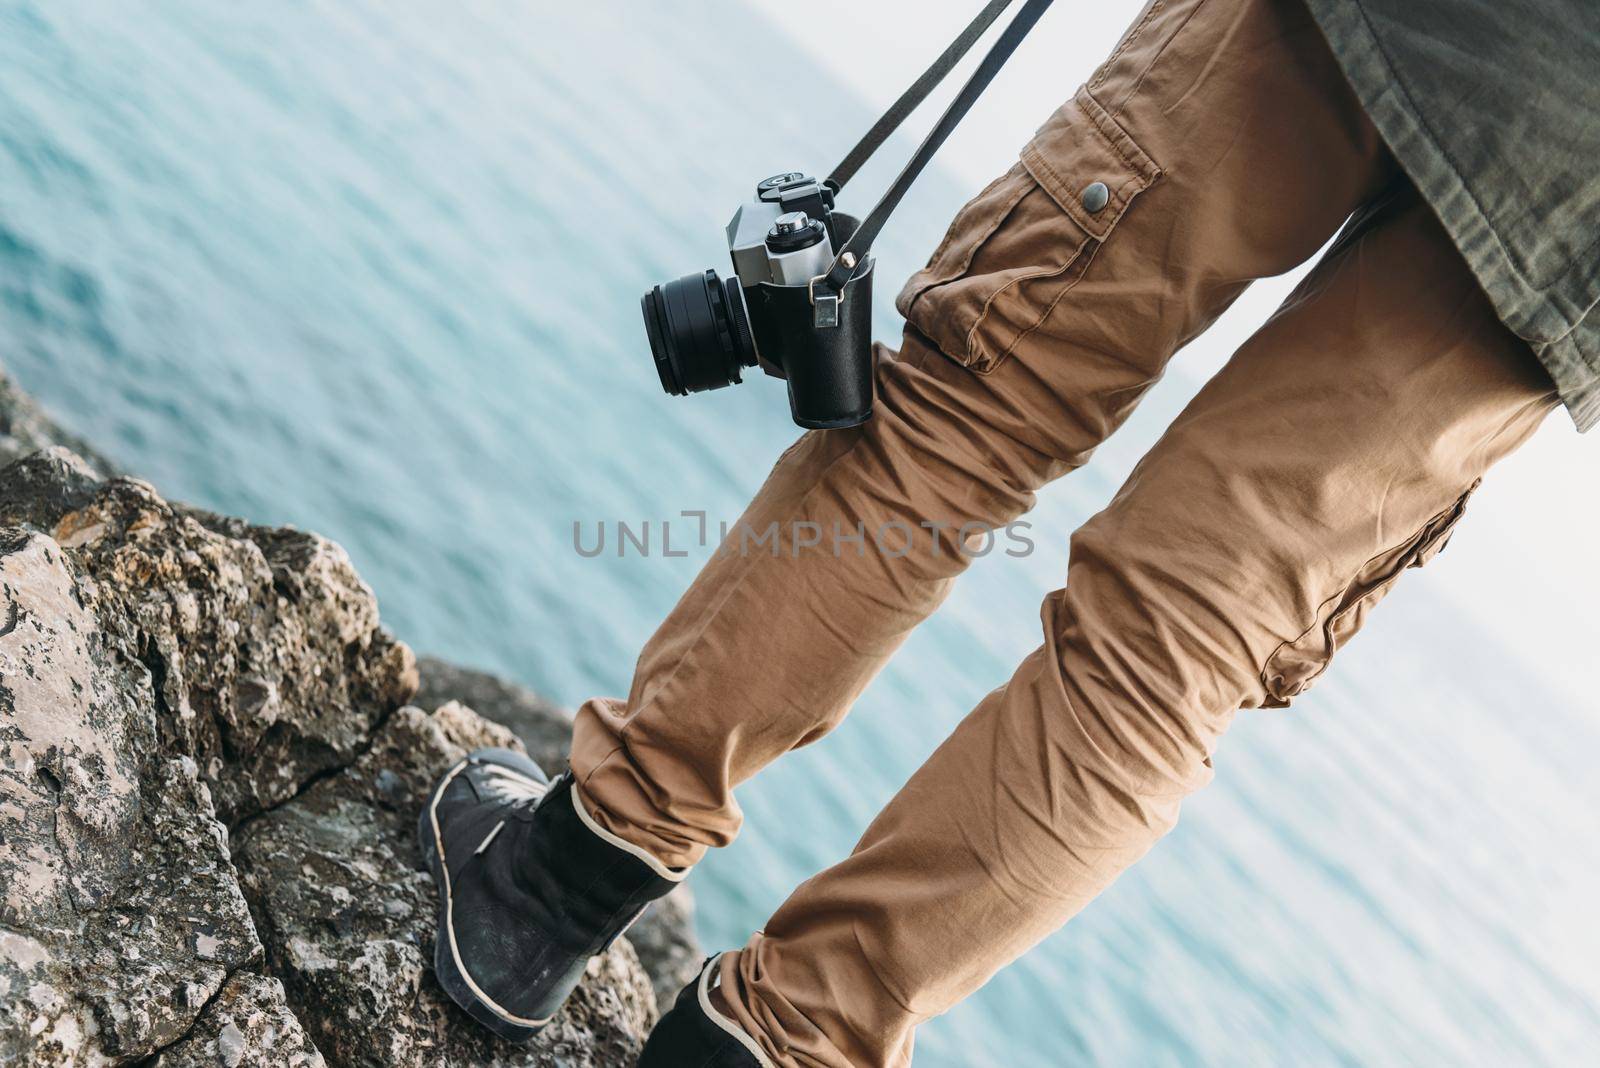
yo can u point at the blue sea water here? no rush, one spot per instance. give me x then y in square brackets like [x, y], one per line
[373, 269]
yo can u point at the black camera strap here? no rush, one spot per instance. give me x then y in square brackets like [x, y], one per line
[913, 97]
[825, 303]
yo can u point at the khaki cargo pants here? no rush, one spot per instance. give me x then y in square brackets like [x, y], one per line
[1335, 450]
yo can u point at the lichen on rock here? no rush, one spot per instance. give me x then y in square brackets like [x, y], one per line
[209, 777]
[121, 912]
[248, 1025]
[263, 644]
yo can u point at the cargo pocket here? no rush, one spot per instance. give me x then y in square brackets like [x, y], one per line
[1018, 247]
[1296, 664]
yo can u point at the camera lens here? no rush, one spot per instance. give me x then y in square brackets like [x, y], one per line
[699, 330]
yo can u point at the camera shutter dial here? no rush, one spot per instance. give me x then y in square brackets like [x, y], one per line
[794, 230]
[797, 249]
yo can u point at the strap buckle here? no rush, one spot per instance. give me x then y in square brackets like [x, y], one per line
[825, 308]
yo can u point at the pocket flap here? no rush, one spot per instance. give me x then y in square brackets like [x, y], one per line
[1082, 144]
[1298, 662]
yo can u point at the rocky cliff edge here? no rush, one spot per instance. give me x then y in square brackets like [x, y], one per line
[211, 760]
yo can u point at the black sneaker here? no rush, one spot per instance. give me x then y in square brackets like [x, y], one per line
[529, 889]
[693, 1034]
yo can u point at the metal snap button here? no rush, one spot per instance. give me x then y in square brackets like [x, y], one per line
[1095, 196]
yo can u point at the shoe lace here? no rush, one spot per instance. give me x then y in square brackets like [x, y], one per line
[520, 792]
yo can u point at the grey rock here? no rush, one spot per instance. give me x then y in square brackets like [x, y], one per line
[247, 1025]
[120, 914]
[347, 910]
[263, 645]
[166, 674]
[664, 938]
[38, 493]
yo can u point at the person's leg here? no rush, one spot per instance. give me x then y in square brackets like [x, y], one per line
[1219, 144]
[1336, 449]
